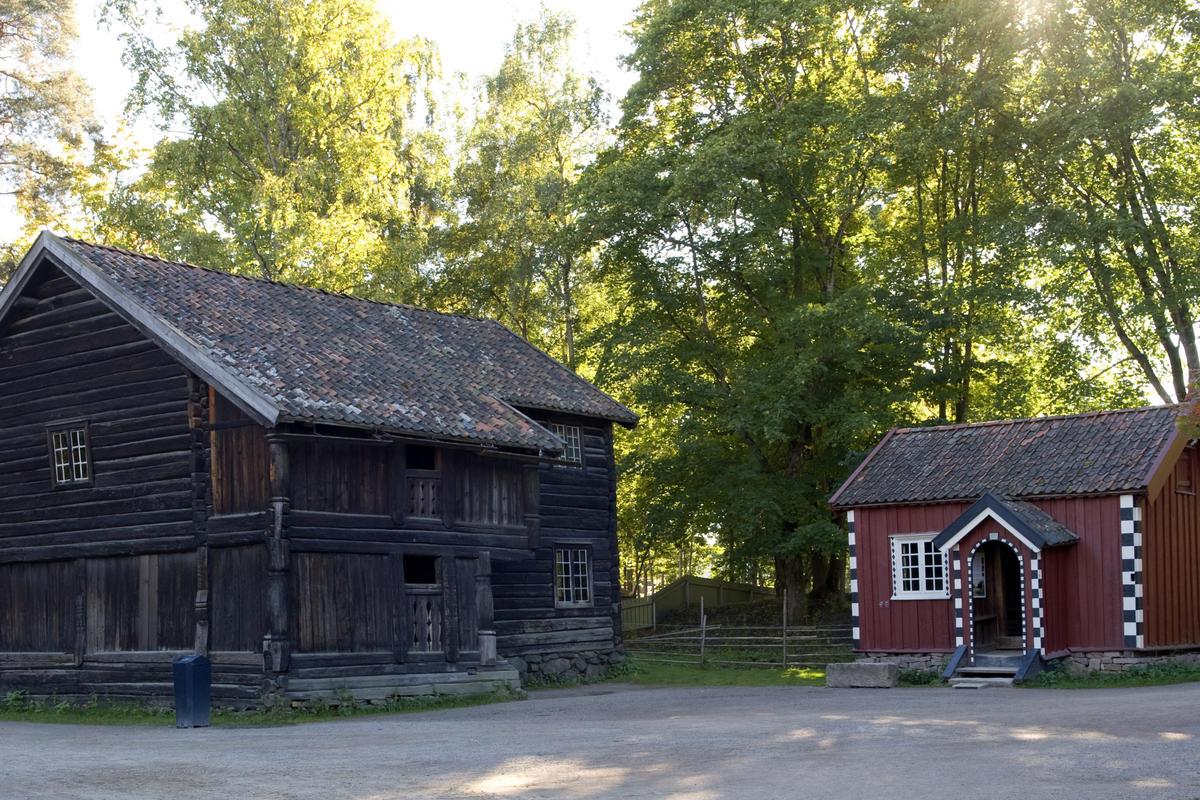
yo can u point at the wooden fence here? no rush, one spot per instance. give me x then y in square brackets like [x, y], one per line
[686, 592]
[723, 645]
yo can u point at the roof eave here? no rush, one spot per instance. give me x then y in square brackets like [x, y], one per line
[254, 403]
[833, 501]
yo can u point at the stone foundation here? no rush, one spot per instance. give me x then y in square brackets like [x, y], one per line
[1121, 660]
[588, 665]
[921, 661]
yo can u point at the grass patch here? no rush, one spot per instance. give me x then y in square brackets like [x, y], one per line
[921, 677]
[17, 707]
[1057, 677]
[658, 673]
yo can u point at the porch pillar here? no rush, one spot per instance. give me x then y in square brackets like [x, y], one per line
[277, 643]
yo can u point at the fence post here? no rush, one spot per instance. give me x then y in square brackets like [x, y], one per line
[653, 615]
[703, 629]
[785, 628]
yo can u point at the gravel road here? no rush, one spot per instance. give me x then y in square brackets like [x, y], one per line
[611, 741]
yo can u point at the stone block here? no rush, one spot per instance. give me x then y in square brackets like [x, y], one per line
[862, 675]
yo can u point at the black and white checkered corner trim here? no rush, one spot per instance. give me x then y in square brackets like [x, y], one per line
[853, 578]
[1035, 592]
[956, 560]
[1035, 595]
[1131, 572]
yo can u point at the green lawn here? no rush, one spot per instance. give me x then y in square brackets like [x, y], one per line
[15, 707]
[656, 673]
[1150, 675]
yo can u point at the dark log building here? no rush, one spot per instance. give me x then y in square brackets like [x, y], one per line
[320, 493]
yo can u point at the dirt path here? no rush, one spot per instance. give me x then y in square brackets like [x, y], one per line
[624, 742]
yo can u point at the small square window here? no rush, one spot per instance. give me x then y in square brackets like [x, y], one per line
[572, 442]
[70, 460]
[572, 577]
[919, 569]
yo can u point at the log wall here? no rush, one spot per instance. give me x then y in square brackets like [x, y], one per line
[97, 580]
[577, 507]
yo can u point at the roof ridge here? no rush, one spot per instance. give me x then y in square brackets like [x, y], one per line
[284, 284]
[1050, 418]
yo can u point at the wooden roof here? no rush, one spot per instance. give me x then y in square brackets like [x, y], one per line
[287, 353]
[1103, 452]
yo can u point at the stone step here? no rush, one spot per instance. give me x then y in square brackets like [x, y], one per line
[979, 683]
[998, 659]
[985, 671]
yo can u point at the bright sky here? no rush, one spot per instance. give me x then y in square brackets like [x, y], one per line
[470, 35]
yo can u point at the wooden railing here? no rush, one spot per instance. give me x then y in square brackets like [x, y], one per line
[426, 619]
[424, 495]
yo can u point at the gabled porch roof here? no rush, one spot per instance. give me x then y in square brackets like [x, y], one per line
[1031, 525]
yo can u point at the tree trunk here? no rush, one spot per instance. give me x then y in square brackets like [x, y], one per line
[792, 573]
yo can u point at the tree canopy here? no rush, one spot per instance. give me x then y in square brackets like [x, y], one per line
[47, 131]
[812, 220]
[303, 155]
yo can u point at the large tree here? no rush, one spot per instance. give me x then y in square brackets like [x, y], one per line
[732, 207]
[1111, 165]
[47, 131]
[515, 254]
[299, 157]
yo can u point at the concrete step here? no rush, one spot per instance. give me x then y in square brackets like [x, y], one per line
[979, 683]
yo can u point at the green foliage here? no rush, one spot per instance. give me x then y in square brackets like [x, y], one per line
[732, 207]
[19, 707]
[515, 254]
[658, 673]
[301, 157]
[1056, 676]
[1110, 167]
[921, 677]
[48, 137]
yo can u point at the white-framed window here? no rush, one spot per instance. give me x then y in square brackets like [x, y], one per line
[70, 461]
[919, 570]
[572, 438]
[572, 576]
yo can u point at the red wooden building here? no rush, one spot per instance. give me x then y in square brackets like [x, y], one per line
[1061, 536]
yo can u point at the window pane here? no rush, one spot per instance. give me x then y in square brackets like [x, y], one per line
[79, 455]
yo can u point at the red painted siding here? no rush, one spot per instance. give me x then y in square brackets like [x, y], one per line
[1171, 558]
[965, 545]
[1083, 607]
[899, 625]
[1081, 583]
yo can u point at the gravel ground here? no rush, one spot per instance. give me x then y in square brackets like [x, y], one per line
[611, 741]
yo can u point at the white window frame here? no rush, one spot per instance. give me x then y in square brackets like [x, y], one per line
[926, 560]
[70, 454]
[572, 439]
[572, 587]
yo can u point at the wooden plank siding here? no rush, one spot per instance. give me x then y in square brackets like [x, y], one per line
[240, 469]
[889, 625]
[69, 357]
[1082, 608]
[577, 506]
[1171, 558]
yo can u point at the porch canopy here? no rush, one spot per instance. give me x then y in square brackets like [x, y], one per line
[1031, 525]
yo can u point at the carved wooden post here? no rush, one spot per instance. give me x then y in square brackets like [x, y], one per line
[198, 424]
[276, 644]
[484, 610]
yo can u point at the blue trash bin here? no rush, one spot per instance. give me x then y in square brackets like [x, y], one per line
[193, 691]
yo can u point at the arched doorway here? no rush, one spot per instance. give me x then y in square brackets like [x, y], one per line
[997, 599]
